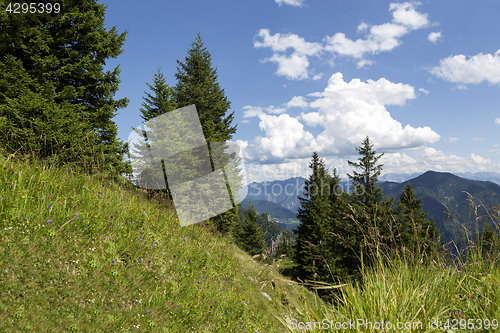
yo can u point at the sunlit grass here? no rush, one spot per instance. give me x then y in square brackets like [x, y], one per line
[406, 295]
[78, 253]
[82, 254]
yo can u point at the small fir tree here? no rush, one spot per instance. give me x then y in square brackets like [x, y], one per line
[156, 103]
[251, 237]
[417, 234]
[489, 243]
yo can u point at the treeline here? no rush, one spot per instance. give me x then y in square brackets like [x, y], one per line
[344, 231]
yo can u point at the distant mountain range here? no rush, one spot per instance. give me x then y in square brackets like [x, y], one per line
[284, 193]
[438, 190]
[402, 177]
[445, 199]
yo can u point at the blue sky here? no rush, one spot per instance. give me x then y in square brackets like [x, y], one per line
[421, 79]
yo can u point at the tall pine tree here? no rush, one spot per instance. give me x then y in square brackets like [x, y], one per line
[370, 212]
[417, 234]
[197, 84]
[314, 214]
[56, 100]
[364, 182]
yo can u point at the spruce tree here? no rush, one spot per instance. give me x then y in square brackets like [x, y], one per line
[157, 102]
[238, 230]
[56, 100]
[417, 234]
[370, 213]
[249, 236]
[340, 240]
[364, 182]
[489, 242]
[197, 84]
[314, 215]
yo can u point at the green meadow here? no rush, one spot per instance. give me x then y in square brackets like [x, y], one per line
[85, 254]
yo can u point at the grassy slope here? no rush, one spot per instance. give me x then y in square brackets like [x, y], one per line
[78, 254]
[60, 276]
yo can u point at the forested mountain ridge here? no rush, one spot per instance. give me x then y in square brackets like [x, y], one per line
[436, 188]
[269, 227]
[445, 199]
[282, 192]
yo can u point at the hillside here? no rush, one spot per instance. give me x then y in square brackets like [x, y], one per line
[439, 189]
[284, 193]
[81, 254]
[263, 206]
[269, 227]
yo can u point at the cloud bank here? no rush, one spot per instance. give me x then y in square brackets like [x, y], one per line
[345, 113]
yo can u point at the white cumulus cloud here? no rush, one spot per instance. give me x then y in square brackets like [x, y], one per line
[294, 66]
[284, 138]
[475, 69]
[497, 121]
[434, 37]
[378, 38]
[405, 14]
[347, 112]
[297, 101]
[295, 3]
[252, 111]
[317, 76]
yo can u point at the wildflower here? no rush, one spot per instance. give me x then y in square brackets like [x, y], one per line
[12, 155]
[139, 260]
[99, 192]
[48, 221]
[153, 245]
[113, 261]
[147, 311]
[199, 282]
